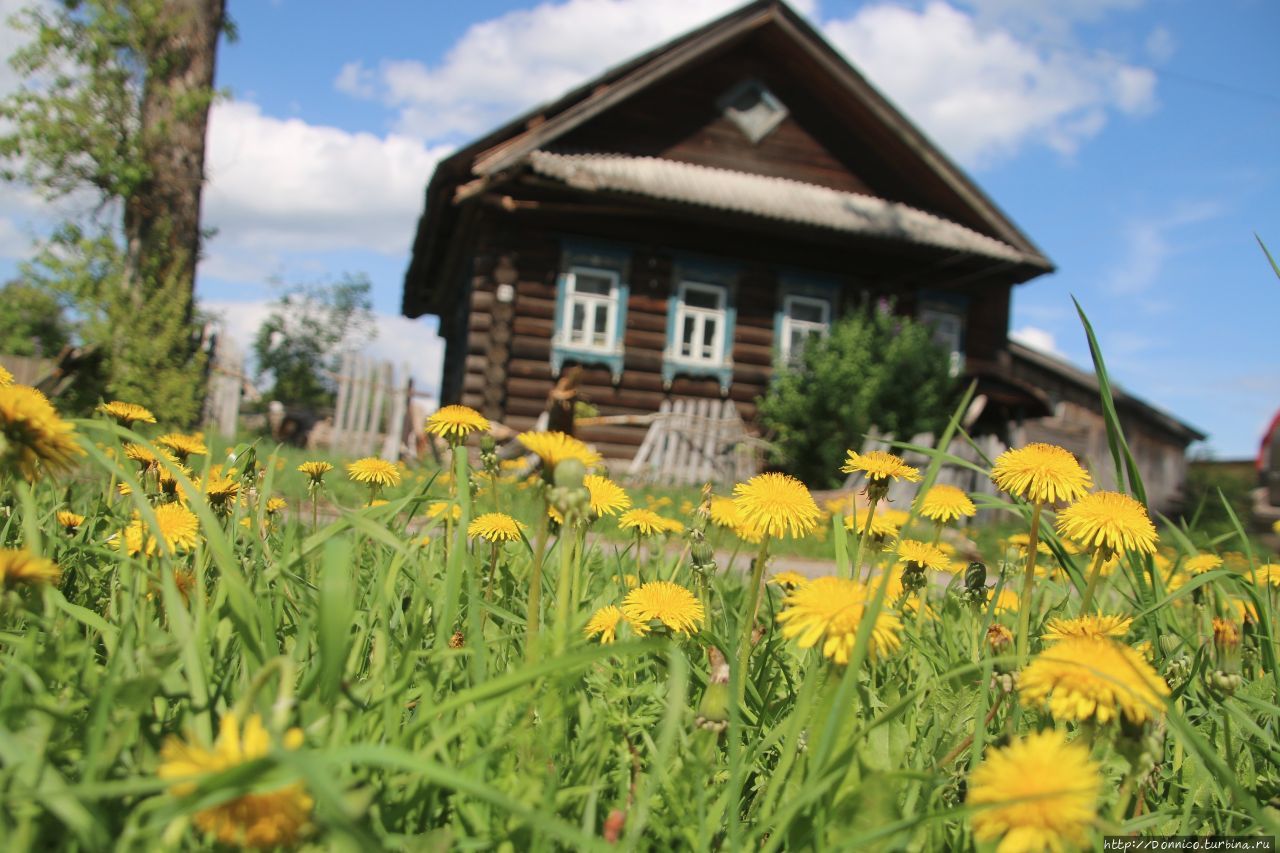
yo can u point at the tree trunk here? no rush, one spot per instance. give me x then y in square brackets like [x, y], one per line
[162, 220]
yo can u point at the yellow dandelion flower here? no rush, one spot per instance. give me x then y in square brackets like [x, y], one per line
[671, 525]
[776, 504]
[275, 818]
[629, 581]
[126, 414]
[749, 533]
[275, 505]
[455, 423]
[1109, 520]
[643, 521]
[999, 638]
[724, 512]
[1085, 678]
[880, 465]
[179, 529]
[1022, 541]
[555, 447]
[374, 472]
[39, 440]
[885, 524]
[6, 378]
[1041, 473]
[219, 490]
[789, 579]
[923, 554]
[1093, 625]
[605, 621]
[21, 567]
[944, 503]
[495, 527]
[69, 521]
[435, 509]
[1038, 794]
[1007, 602]
[1268, 574]
[182, 445]
[665, 602]
[1275, 525]
[1226, 634]
[1201, 563]
[315, 470]
[830, 609]
[607, 497]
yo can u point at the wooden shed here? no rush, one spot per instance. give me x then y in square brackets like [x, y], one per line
[683, 223]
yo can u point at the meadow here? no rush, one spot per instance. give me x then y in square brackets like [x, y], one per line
[244, 648]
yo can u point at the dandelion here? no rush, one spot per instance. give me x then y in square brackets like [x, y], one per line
[1039, 793]
[276, 505]
[495, 527]
[179, 530]
[724, 513]
[375, 473]
[607, 497]
[1201, 563]
[6, 378]
[879, 525]
[788, 580]
[829, 610]
[664, 602]
[315, 470]
[1084, 678]
[455, 423]
[999, 638]
[1090, 625]
[220, 491]
[1268, 574]
[555, 447]
[605, 621]
[69, 521]
[1041, 473]
[944, 503]
[126, 414]
[275, 818]
[643, 521]
[38, 440]
[1111, 522]
[923, 554]
[183, 446]
[777, 504]
[1007, 602]
[22, 568]
[880, 466]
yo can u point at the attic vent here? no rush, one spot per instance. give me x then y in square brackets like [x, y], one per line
[753, 108]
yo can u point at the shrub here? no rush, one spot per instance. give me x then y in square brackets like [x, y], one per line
[873, 368]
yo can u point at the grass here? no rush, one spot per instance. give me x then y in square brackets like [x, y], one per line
[431, 717]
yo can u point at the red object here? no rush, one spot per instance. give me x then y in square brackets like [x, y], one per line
[1265, 447]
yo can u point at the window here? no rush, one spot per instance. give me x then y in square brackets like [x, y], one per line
[754, 109]
[590, 318]
[700, 322]
[591, 306]
[803, 317]
[948, 333]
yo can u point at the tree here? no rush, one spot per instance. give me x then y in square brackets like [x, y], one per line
[32, 322]
[874, 368]
[303, 338]
[115, 113]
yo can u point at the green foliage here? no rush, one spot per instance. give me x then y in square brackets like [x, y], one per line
[302, 340]
[32, 322]
[874, 368]
[1202, 506]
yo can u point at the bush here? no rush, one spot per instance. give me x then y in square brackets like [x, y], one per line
[874, 368]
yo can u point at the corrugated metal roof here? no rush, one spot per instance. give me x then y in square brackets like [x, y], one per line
[773, 198]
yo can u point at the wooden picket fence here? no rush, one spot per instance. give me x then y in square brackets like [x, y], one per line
[690, 442]
[369, 417]
[227, 381]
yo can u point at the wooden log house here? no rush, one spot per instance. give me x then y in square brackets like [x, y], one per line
[683, 223]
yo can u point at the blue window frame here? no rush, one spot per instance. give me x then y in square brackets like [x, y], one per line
[806, 307]
[591, 307]
[701, 317]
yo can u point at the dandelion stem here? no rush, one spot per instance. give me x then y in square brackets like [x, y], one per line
[1028, 583]
[749, 616]
[535, 589]
[564, 587]
[862, 539]
[1095, 572]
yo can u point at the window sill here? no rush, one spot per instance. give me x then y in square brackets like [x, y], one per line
[609, 357]
[673, 366]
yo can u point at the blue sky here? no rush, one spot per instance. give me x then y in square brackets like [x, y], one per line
[1134, 140]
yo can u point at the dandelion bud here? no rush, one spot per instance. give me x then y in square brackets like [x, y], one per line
[570, 473]
[713, 712]
[999, 638]
[1170, 643]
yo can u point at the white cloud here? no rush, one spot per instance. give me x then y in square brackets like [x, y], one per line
[1161, 45]
[982, 92]
[504, 65]
[1149, 243]
[277, 184]
[1053, 19]
[399, 340]
[1036, 338]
